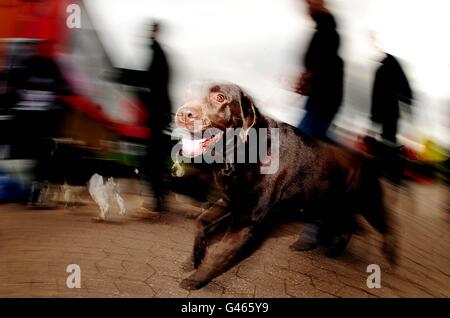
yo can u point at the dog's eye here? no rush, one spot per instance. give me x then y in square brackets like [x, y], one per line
[220, 98]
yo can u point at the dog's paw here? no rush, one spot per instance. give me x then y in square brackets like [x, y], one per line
[98, 220]
[192, 214]
[190, 284]
[391, 254]
[144, 213]
[303, 246]
[188, 265]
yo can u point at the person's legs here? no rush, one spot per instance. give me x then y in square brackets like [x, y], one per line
[390, 130]
[154, 167]
[316, 125]
[309, 238]
[322, 124]
[317, 119]
[306, 125]
[156, 180]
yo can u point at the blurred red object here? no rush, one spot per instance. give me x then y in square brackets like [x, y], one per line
[41, 19]
[96, 112]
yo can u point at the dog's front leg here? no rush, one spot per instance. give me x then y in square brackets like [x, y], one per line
[221, 258]
[248, 213]
[206, 224]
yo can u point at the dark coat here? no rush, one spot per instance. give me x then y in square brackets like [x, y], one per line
[390, 86]
[326, 67]
[157, 79]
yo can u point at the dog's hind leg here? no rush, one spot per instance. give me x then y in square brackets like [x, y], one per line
[339, 227]
[376, 213]
[377, 218]
[338, 243]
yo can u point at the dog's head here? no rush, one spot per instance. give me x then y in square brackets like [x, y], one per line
[216, 108]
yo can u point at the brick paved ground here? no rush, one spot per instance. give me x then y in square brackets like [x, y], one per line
[131, 257]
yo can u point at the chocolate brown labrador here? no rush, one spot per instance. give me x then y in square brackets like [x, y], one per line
[327, 181]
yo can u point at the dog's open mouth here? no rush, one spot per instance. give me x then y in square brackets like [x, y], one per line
[192, 147]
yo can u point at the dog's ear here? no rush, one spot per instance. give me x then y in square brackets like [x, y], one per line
[248, 113]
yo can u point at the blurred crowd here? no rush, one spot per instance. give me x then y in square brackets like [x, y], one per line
[68, 111]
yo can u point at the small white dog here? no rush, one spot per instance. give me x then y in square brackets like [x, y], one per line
[104, 193]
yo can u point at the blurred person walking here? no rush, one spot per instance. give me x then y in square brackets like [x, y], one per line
[158, 102]
[322, 79]
[154, 95]
[390, 86]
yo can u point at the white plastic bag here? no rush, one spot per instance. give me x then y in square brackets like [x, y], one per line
[104, 193]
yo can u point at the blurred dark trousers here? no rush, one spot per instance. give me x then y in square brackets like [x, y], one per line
[389, 129]
[315, 124]
[154, 164]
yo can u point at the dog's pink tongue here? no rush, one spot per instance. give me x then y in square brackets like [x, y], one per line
[192, 147]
